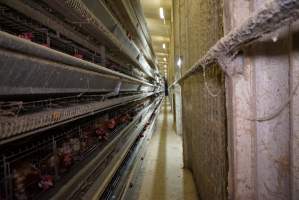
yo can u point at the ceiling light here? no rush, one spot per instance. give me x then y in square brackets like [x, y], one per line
[165, 66]
[162, 13]
[164, 46]
[165, 59]
[179, 62]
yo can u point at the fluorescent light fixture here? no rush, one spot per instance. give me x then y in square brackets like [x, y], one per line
[165, 59]
[162, 13]
[179, 62]
[164, 46]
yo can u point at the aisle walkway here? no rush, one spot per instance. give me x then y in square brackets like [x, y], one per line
[162, 176]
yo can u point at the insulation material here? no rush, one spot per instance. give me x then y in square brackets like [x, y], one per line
[199, 23]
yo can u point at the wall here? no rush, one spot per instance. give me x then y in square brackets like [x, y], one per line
[263, 155]
[197, 26]
[232, 152]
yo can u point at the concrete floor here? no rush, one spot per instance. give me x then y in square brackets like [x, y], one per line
[162, 175]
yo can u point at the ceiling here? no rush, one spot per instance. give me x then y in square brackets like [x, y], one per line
[160, 29]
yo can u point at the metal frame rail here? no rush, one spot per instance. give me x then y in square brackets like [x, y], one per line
[16, 52]
[48, 30]
[125, 10]
[17, 127]
[80, 16]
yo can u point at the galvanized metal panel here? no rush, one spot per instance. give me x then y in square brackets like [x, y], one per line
[22, 74]
[15, 44]
[29, 68]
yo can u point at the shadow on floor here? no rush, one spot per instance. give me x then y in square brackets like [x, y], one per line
[160, 173]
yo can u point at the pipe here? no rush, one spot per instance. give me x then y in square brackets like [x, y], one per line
[275, 15]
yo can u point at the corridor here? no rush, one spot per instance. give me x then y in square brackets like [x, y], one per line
[162, 175]
[83, 112]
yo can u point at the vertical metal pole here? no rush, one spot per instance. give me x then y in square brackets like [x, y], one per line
[10, 184]
[5, 177]
[103, 56]
[93, 57]
[54, 146]
[48, 40]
